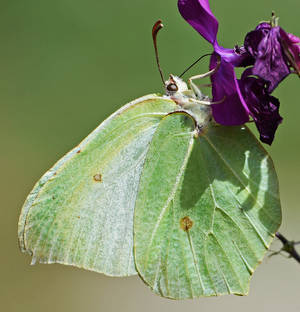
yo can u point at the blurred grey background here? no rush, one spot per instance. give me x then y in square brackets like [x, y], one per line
[65, 65]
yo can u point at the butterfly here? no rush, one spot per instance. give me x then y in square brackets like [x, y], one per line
[160, 190]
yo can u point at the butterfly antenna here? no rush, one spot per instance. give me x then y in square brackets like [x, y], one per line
[199, 59]
[156, 28]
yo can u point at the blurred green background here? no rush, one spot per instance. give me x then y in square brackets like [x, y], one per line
[65, 65]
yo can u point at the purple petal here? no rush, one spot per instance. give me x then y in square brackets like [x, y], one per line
[263, 108]
[264, 44]
[238, 57]
[263, 26]
[291, 47]
[233, 110]
[253, 39]
[293, 38]
[198, 14]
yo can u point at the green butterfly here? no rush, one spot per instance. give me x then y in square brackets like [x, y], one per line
[159, 190]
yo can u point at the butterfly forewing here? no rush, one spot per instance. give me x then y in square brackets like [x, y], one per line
[81, 211]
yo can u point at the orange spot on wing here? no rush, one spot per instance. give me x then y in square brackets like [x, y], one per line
[186, 223]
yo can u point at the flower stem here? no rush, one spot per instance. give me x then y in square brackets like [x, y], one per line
[288, 246]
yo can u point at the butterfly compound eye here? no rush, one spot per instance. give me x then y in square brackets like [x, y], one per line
[172, 87]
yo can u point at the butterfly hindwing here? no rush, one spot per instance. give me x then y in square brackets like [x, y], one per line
[206, 211]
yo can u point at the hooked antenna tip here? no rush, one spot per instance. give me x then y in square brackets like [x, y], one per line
[155, 29]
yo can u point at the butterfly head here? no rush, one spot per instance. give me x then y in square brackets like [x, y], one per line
[175, 85]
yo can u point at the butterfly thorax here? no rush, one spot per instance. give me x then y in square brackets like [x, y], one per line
[189, 101]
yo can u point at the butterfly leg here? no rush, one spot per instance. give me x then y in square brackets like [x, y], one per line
[196, 101]
[209, 73]
[200, 97]
[206, 102]
[196, 89]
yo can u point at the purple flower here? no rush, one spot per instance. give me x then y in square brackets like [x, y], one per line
[270, 50]
[233, 111]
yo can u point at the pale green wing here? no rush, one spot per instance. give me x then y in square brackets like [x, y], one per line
[206, 212]
[81, 211]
